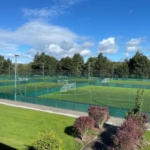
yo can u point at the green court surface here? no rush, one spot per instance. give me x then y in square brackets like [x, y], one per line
[130, 82]
[102, 95]
[29, 87]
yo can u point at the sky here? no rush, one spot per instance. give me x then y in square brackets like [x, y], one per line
[61, 28]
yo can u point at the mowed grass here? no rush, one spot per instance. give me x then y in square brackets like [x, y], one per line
[6, 81]
[146, 145]
[103, 95]
[20, 126]
[29, 87]
[130, 82]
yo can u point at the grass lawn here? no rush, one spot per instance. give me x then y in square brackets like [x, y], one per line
[130, 82]
[146, 145]
[103, 95]
[19, 126]
[29, 87]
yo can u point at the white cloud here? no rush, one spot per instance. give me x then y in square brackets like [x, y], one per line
[54, 11]
[6, 47]
[42, 37]
[133, 44]
[126, 54]
[108, 46]
[87, 44]
[86, 53]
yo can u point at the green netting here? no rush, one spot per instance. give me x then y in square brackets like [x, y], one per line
[114, 111]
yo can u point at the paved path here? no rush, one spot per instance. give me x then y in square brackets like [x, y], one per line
[112, 120]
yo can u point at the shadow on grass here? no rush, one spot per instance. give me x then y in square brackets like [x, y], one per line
[105, 139]
[6, 147]
[30, 147]
[69, 130]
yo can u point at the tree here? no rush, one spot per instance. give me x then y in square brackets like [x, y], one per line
[48, 62]
[103, 66]
[92, 61]
[78, 63]
[82, 125]
[5, 65]
[122, 69]
[138, 104]
[139, 65]
[67, 65]
[99, 114]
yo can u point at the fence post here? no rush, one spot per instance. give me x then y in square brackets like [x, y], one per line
[129, 101]
[75, 99]
[108, 96]
[91, 97]
[60, 95]
[25, 93]
[35, 91]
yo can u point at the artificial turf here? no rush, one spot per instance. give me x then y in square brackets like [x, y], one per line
[102, 95]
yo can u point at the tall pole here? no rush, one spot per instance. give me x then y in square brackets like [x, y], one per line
[89, 71]
[43, 70]
[49, 69]
[15, 74]
[9, 70]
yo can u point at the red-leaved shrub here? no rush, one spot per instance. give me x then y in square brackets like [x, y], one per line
[130, 132]
[99, 114]
[82, 125]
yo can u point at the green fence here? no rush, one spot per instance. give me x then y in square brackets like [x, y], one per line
[115, 112]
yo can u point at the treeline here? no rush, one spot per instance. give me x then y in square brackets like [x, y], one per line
[100, 66]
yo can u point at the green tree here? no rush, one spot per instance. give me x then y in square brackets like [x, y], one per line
[103, 66]
[138, 104]
[122, 69]
[78, 63]
[5, 65]
[139, 65]
[67, 66]
[91, 61]
[48, 62]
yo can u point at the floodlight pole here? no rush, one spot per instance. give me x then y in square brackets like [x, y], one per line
[89, 71]
[15, 73]
[9, 70]
[43, 70]
[49, 69]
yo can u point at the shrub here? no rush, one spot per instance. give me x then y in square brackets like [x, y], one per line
[48, 141]
[130, 132]
[138, 104]
[99, 114]
[82, 125]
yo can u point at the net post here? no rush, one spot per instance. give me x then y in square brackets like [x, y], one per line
[74, 99]
[25, 92]
[129, 101]
[35, 91]
[91, 97]
[108, 96]
[60, 95]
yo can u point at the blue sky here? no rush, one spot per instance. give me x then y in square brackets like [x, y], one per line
[60, 28]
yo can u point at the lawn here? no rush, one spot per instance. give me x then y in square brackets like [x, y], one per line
[19, 126]
[147, 138]
[102, 95]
